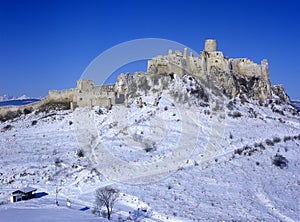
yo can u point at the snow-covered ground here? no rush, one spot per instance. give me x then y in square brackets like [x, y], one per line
[222, 167]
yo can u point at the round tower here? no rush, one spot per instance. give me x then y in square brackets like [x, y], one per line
[210, 45]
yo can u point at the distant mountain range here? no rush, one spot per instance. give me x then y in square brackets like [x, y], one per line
[296, 103]
[7, 100]
[6, 97]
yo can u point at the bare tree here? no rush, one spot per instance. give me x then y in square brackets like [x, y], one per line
[106, 197]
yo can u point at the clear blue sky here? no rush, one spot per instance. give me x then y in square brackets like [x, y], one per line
[47, 44]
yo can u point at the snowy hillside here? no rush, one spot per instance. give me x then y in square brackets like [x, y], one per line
[219, 160]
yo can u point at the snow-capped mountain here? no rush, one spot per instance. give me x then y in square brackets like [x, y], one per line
[238, 161]
[296, 104]
[7, 100]
[6, 97]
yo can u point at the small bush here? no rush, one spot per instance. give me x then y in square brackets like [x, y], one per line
[206, 112]
[6, 128]
[238, 151]
[276, 140]
[246, 147]
[80, 153]
[287, 138]
[70, 123]
[280, 161]
[269, 142]
[57, 162]
[261, 146]
[235, 114]
[27, 111]
[34, 122]
[149, 149]
[166, 108]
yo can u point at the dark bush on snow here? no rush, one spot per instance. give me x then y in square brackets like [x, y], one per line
[238, 151]
[27, 111]
[6, 128]
[287, 138]
[80, 153]
[269, 142]
[276, 140]
[280, 161]
[235, 114]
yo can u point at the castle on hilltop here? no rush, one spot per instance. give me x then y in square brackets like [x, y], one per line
[212, 67]
[231, 76]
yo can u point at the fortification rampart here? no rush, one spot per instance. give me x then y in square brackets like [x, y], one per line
[61, 95]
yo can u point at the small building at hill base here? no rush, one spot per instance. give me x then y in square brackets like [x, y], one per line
[25, 193]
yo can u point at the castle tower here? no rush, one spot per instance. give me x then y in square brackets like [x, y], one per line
[210, 45]
[185, 53]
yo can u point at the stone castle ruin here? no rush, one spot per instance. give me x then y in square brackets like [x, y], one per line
[231, 76]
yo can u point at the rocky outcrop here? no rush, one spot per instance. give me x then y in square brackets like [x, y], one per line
[278, 91]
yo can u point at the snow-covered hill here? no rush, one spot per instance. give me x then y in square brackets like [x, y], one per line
[224, 160]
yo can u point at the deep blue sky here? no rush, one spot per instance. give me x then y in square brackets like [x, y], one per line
[48, 44]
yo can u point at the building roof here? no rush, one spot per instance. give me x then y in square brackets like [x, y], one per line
[25, 190]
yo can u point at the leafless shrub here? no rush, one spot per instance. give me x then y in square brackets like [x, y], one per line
[106, 197]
